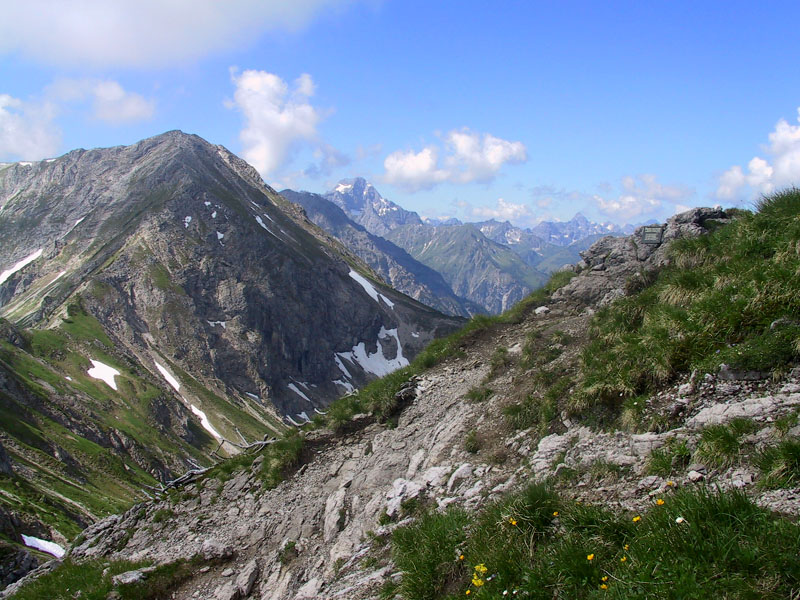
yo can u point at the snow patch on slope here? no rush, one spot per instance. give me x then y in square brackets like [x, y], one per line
[205, 422]
[348, 387]
[24, 262]
[43, 545]
[370, 289]
[376, 363]
[297, 391]
[341, 366]
[170, 379]
[104, 372]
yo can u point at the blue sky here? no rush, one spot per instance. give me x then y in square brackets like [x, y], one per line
[514, 110]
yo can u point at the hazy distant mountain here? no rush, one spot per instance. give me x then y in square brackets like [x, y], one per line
[460, 252]
[579, 227]
[476, 267]
[363, 204]
[401, 270]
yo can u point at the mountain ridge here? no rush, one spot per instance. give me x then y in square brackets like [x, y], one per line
[160, 307]
[504, 406]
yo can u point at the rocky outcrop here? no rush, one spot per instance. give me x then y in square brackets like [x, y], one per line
[323, 532]
[364, 204]
[183, 253]
[613, 263]
[159, 304]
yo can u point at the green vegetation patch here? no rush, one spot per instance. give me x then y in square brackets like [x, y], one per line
[780, 464]
[92, 581]
[731, 296]
[281, 457]
[536, 544]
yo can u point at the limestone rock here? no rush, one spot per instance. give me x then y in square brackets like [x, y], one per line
[213, 549]
[247, 578]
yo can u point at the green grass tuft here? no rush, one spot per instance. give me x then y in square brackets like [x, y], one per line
[780, 465]
[538, 545]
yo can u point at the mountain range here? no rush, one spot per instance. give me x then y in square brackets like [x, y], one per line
[487, 266]
[161, 306]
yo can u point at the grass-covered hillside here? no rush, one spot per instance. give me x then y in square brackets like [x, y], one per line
[548, 452]
[81, 449]
[730, 297]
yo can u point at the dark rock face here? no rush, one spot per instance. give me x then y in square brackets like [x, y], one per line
[395, 265]
[15, 563]
[5, 462]
[181, 251]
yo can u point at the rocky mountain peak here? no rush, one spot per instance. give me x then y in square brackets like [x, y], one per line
[362, 202]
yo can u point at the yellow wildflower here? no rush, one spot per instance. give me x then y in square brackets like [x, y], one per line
[513, 521]
[671, 483]
[555, 513]
[481, 568]
[637, 518]
[604, 578]
[623, 559]
[659, 502]
[603, 586]
[626, 546]
[460, 557]
[468, 592]
[477, 582]
[590, 557]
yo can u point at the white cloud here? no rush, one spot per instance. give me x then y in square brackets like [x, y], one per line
[478, 158]
[277, 119]
[642, 196]
[114, 105]
[143, 33]
[414, 170]
[27, 129]
[503, 211]
[111, 103]
[763, 176]
[468, 156]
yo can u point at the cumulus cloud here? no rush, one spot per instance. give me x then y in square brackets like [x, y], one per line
[763, 176]
[467, 156]
[414, 170]
[642, 196]
[503, 211]
[27, 129]
[144, 33]
[111, 103]
[278, 119]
